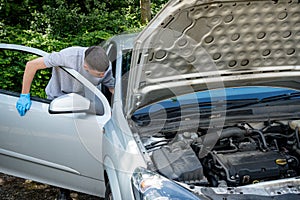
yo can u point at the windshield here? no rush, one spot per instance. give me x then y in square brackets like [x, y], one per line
[229, 102]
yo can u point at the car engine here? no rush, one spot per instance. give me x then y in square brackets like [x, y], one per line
[243, 154]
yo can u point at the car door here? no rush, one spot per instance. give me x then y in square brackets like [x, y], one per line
[55, 142]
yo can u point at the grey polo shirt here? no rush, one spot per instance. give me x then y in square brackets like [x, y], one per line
[61, 82]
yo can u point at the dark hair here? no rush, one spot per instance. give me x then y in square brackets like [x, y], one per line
[96, 58]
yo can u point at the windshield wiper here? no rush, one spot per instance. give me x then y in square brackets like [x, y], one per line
[239, 103]
[200, 106]
[267, 100]
[280, 97]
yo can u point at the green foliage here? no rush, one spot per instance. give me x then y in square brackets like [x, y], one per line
[157, 5]
[52, 25]
[13, 63]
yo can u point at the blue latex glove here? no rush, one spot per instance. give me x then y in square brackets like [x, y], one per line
[23, 104]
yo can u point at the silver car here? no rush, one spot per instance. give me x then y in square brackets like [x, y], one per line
[206, 106]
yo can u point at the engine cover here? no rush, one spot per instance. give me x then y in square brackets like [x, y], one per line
[178, 164]
[252, 166]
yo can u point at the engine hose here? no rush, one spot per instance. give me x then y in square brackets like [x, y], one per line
[262, 138]
[232, 132]
[235, 148]
[297, 137]
[279, 135]
[228, 132]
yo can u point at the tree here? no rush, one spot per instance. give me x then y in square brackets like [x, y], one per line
[145, 6]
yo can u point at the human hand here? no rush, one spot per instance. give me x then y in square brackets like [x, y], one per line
[23, 104]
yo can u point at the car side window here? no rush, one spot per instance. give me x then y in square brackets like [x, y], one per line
[111, 51]
[126, 61]
[112, 55]
[11, 74]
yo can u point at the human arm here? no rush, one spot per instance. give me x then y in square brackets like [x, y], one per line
[24, 103]
[30, 70]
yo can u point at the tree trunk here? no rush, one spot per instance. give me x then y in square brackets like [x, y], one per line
[145, 11]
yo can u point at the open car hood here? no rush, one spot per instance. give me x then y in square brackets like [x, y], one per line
[194, 45]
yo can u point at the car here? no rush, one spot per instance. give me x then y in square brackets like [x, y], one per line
[206, 106]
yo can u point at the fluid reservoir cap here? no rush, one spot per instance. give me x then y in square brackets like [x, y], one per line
[294, 124]
[281, 162]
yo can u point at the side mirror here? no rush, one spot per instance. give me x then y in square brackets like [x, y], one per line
[69, 103]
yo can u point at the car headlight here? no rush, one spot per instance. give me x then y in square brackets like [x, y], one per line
[148, 185]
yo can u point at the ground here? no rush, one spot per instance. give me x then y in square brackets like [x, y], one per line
[12, 188]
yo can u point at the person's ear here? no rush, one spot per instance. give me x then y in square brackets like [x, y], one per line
[85, 67]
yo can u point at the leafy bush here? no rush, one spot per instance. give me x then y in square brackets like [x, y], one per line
[53, 25]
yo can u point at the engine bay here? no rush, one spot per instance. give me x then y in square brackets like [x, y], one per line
[243, 154]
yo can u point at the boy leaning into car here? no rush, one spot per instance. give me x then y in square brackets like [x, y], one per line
[92, 63]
